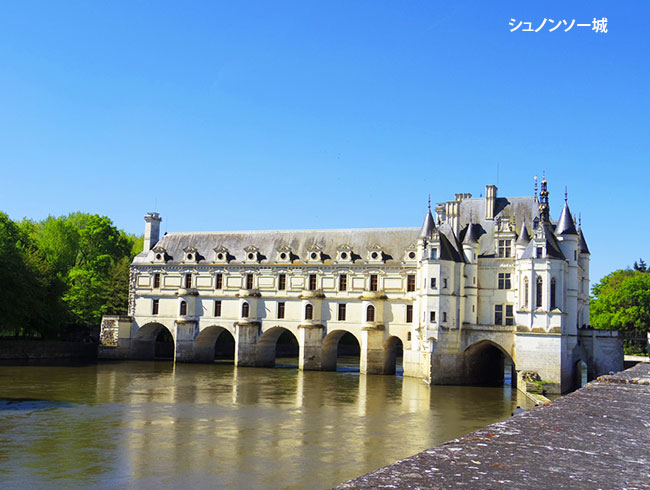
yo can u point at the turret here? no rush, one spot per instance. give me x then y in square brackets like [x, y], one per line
[522, 241]
[151, 230]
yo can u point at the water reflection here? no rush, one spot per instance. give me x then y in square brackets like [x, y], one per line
[163, 425]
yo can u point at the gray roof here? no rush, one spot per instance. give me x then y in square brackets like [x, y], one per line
[524, 237]
[393, 242]
[472, 233]
[472, 210]
[428, 227]
[583, 243]
[565, 225]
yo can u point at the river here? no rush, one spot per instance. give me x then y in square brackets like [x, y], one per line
[155, 425]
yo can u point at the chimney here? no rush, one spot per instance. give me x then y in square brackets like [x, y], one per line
[490, 201]
[151, 230]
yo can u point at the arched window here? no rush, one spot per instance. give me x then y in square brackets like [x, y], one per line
[370, 313]
[526, 292]
[539, 286]
[183, 308]
[245, 309]
[553, 305]
[309, 312]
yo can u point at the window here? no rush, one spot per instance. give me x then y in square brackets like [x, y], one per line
[434, 253]
[444, 316]
[183, 311]
[156, 280]
[341, 312]
[409, 313]
[504, 248]
[309, 312]
[538, 292]
[553, 293]
[370, 313]
[510, 318]
[410, 282]
[373, 282]
[408, 336]
[432, 316]
[282, 282]
[526, 292]
[154, 307]
[188, 280]
[504, 280]
[312, 282]
[245, 310]
[575, 255]
[280, 311]
[343, 282]
[249, 281]
[217, 308]
[444, 282]
[498, 314]
[219, 281]
[539, 253]
[433, 283]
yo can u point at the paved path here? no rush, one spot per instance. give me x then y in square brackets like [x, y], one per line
[596, 437]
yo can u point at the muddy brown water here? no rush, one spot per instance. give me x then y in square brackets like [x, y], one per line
[153, 425]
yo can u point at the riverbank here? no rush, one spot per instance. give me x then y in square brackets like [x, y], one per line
[46, 350]
[596, 437]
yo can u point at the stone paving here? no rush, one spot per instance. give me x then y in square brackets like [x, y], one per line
[596, 437]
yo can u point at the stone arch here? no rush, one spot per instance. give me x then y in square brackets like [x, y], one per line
[266, 349]
[143, 345]
[393, 348]
[484, 363]
[330, 348]
[205, 345]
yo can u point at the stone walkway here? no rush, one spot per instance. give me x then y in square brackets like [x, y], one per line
[596, 437]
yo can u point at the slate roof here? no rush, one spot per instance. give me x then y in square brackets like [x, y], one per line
[428, 227]
[565, 225]
[553, 249]
[583, 243]
[393, 241]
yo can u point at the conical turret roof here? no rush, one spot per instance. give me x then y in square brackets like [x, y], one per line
[524, 237]
[473, 233]
[428, 227]
[583, 243]
[565, 225]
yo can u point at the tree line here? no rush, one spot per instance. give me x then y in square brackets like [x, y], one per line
[61, 273]
[621, 301]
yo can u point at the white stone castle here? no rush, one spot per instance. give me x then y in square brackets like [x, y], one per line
[485, 279]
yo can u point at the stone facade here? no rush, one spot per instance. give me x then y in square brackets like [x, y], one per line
[485, 279]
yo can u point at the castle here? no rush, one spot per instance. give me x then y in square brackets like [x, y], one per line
[483, 279]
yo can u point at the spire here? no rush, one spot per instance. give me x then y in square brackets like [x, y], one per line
[544, 211]
[524, 237]
[584, 249]
[536, 188]
[429, 226]
[565, 225]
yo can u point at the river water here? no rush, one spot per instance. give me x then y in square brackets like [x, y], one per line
[153, 425]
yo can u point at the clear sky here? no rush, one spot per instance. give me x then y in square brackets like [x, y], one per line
[325, 114]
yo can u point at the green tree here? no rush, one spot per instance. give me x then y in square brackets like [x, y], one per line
[641, 266]
[621, 301]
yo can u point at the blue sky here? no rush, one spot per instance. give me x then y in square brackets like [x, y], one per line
[324, 114]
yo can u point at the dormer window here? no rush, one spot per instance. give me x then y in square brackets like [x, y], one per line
[191, 254]
[284, 254]
[221, 255]
[252, 254]
[410, 254]
[344, 254]
[315, 254]
[434, 254]
[375, 254]
[539, 252]
[159, 254]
